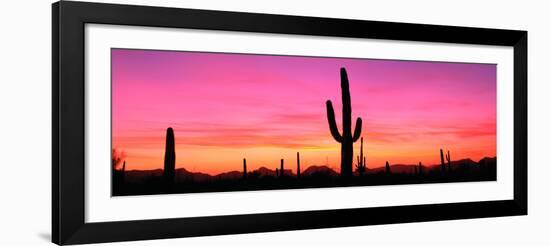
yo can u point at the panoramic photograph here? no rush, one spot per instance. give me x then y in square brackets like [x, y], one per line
[188, 122]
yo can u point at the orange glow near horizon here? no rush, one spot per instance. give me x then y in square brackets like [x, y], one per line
[226, 107]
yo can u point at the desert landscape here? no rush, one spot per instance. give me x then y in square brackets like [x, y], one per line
[289, 174]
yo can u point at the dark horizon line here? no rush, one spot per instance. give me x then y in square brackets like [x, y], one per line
[338, 171]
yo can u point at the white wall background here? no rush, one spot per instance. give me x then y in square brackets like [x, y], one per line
[25, 99]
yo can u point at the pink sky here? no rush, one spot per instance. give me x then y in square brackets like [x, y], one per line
[225, 107]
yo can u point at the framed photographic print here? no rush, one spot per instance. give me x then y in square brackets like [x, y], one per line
[175, 122]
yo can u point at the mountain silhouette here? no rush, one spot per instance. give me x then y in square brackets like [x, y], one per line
[138, 182]
[319, 170]
[264, 171]
[182, 174]
[230, 175]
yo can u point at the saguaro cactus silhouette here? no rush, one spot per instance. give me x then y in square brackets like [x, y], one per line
[282, 172]
[448, 157]
[244, 168]
[169, 157]
[442, 160]
[420, 169]
[346, 139]
[298, 164]
[361, 161]
[388, 170]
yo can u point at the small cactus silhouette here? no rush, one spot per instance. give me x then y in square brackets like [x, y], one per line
[420, 168]
[361, 165]
[298, 164]
[448, 157]
[244, 168]
[442, 160]
[282, 172]
[346, 139]
[388, 170]
[169, 157]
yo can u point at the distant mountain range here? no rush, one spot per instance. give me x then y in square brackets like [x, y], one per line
[321, 170]
[409, 168]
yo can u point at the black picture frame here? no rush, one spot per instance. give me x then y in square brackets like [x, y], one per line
[69, 19]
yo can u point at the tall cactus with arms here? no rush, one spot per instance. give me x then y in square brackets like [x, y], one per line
[346, 139]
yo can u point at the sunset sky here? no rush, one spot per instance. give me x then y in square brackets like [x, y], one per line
[225, 107]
